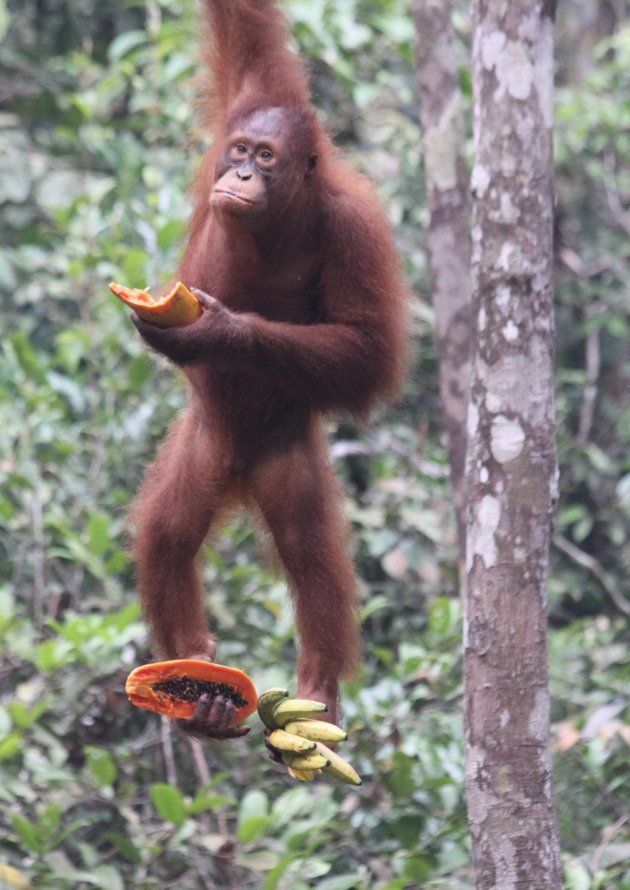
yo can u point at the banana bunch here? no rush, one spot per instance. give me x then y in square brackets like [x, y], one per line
[299, 737]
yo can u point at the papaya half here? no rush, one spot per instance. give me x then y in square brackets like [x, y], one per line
[173, 688]
[178, 307]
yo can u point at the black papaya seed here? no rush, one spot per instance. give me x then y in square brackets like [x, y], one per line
[188, 689]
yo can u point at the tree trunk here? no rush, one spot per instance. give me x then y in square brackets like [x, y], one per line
[511, 465]
[448, 236]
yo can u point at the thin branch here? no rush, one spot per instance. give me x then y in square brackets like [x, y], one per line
[608, 835]
[203, 777]
[167, 751]
[576, 264]
[593, 365]
[588, 562]
[199, 761]
[350, 448]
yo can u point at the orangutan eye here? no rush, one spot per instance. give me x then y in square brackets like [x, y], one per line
[241, 149]
[267, 156]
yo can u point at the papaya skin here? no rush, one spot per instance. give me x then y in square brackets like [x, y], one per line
[176, 308]
[174, 688]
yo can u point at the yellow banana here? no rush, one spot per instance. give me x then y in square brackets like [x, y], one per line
[300, 739]
[337, 766]
[267, 703]
[317, 730]
[286, 741]
[310, 761]
[303, 775]
[294, 708]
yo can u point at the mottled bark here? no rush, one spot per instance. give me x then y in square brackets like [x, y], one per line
[511, 465]
[449, 231]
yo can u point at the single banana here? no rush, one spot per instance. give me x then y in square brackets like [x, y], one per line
[267, 703]
[337, 766]
[294, 708]
[317, 730]
[310, 761]
[286, 741]
[303, 775]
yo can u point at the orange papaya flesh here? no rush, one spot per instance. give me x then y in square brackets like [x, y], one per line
[173, 688]
[178, 307]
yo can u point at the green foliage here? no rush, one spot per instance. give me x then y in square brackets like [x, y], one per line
[95, 158]
[96, 190]
[593, 139]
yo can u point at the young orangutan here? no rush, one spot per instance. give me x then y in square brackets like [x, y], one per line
[303, 316]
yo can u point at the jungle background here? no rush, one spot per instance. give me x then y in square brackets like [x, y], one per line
[97, 148]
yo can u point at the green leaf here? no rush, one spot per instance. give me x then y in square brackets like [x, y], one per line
[400, 779]
[139, 371]
[576, 876]
[125, 43]
[419, 867]
[171, 233]
[443, 615]
[465, 82]
[135, 268]
[407, 830]
[599, 459]
[102, 766]
[73, 346]
[380, 541]
[204, 801]
[27, 832]
[375, 604]
[115, 563]
[582, 529]
[124, 846]
[26, 355]
[25, 717]
[254, 803]
[309, 867]
[169, 803]
[53, 654]
[340, 882]
[571, 514]
[253, 828]
[50, 819]
[257, 860]
[7, 510]
[107, 877]
[10, 745]
[98, 533]
[272, 879]
[296, 801]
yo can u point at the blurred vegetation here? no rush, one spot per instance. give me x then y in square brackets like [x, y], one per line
[97, 148]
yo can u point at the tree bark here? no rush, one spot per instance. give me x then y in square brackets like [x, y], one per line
[449, 231]
[511, 464]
